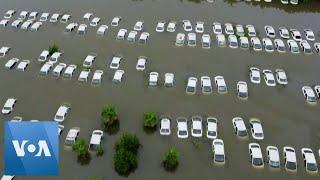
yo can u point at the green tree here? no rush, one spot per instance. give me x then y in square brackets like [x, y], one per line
[171, 159]
[150, 120]
[53, 48]
[110, 120]
[125, 161]
[129, 142]
[80, 147]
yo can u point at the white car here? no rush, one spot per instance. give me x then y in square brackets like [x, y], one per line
[309, 160]
[55, 57]
[256, 129]
[88, 61]
[45, 68]
[171, 26]
[196, 126]
[60, 129]
[295, 34]
[33, 15]
[244, 42]
[62, 112]
[8, 106]
[84, 74]
[153, 79]
[132, 36]
[290, 159]
[284, 33]
[23, 65]
[206, 41]
[58, 69]
[293, 46]
[317, 47]
[168, 80]
[251, 30]
[165, 127]
[270, 31]
[118, 75]
[279, 45]
[95, 21]
[44, 56]
[267, 43]
[317, 90]
[144, 38]
[70, 27]
[97, 77]
[233, 41]
[4, 50]
[228, 28]
[242, 90]
[4, 22]
[35, 26]
[11, 63]
[273, 158]
[269, 77]
[180, 38]
[309, 34]
[217, 28]
[54, 17]
[220, 84]
[82, 29]
[72, 136]
[281, 77]
[239, 127]
[240, 30]
[115, 62]
[68, 73]
[16, 23]
[294, 2]
[102, 30]
[221, 40]
[192, 39]
[285, 1]
[305, 47]
[121, 34]
[44, 17]
[138, 26]
[87, 16]
[309, 94]
[95, 140]
[182, 128]
[187, 25]
[26, 24]
[218, 151]
[256, 44]
[199, 27]
[256, 157]
[212, 127]
[23, 15]
[115, 21]
[254, 74]
[65, 18]
[191, 85]
[141, 63]
[161, 26]
[9, 14]
[206, 85]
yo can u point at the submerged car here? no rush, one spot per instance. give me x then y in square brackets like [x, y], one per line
[220, 84]
[72, 136]
[269, 77]
[160, 26]
[138, 26]
[171, 26]
[168, 80]
[309, 34]
[268, 46]
[217, 28]
[206, 41]
[290, 159]
[218, 151]
[256, 157]
[180, 39]
[191, 85]
[187, 25]
[256, 129]
[221, 40]
[199, 27]
[95, 140]
[273, 158]
[244, 42]
[281, 77]
[115, 21]
[305, 47]
[196, 126]
[295, 34]
[240, 30]
[62, 112]
[279, 45]
[309, 160]
[251, 30]
[309, 94]
[233, 41]
[242, 90]
[153, 79]
[254, 74]
[141, 63]
[228, 28]
[182, 128]
[212, 128]
[256, 44]
[239, 127]
[192, 39]
[8, 106]
[206, 85]
[165, 127]
[293, 46]
[284, 33]
[270, 31]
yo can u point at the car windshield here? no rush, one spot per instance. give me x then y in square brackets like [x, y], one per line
[222, 89]
[219, 157]
[283, 80]
[205, 44]
[311, 37]
[206, 88]
[196, 131]
[212, 133]
[312, 166]
[233, 43]
[242, 94]
[271, 81]
[295, 49]
[191, 89]
[307, 50]
[114, 64]
[269, 47]
[87, 63]
[257, 46]
[257, 161]
[274, 163]
[192, 42]
[69, 141]
[58, 117]
[298, 37]
[7, 108]
[182, 133]
[93, 146]
[244, 45]
[312, 99]
[242, 133]
[164, 130]
[258, 134]
[281, 48]
[291, 165]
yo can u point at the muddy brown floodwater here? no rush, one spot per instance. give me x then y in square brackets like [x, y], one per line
[286, 118]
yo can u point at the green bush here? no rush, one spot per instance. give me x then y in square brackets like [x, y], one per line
[150, 120]
[53, 48]
[171, 159]
[80, 147]
[110, 120]
[125, 159]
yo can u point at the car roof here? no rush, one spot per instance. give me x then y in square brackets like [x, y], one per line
[9, 102]
[169, 77]
[118, 74]
[56, 55]
[84, 74]
[273, 153]
[62, 110]
[255, 149]
[192, 81]
[95, 138]
[212, 126]
[243, 86]
[72, 133]
[182, 125]
[165, 123]
[240, 124]
[291, 156]
[218, 146]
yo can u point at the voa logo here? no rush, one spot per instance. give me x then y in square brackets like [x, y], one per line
[39, 149]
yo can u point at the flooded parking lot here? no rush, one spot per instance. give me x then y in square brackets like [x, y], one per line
[287, 119]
